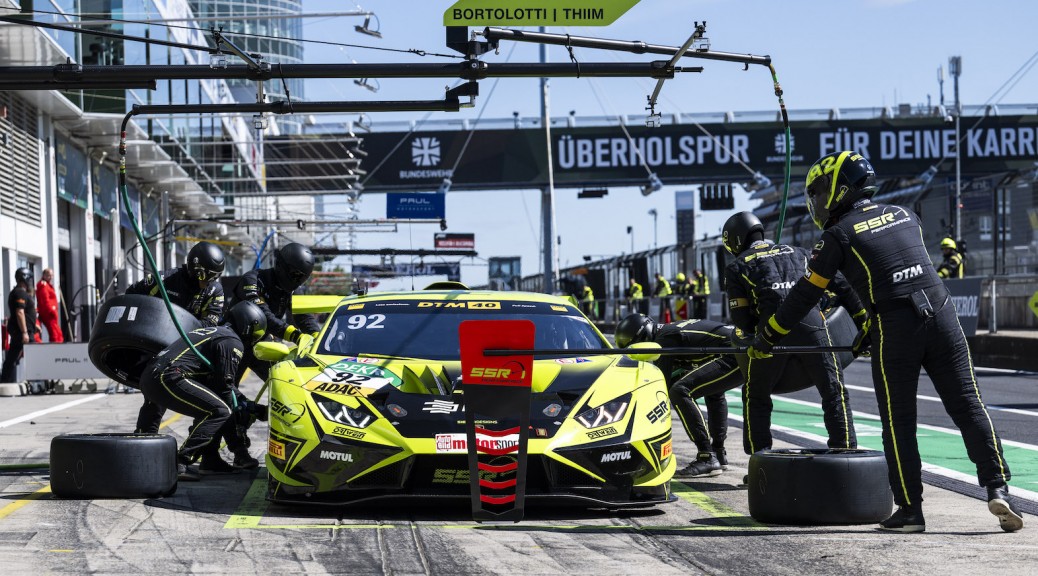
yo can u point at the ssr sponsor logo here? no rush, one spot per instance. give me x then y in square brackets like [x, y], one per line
[665, 450]
[908, 273]
[337, 456]
[461, 476]
[276, 449]
[348, 432]
[289, 413]
[782, 285]
[494, 374]
[616, 456]
[660, 410]
[873, 223]
[454, 443]
[608, 431]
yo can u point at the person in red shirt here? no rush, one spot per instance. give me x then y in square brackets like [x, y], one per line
[47, 306]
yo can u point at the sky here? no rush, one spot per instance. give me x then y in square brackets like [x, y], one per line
[827, 54]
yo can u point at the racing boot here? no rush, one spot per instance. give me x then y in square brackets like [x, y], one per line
[243, 460]
[722, 456]
[186, 472]
[1001, 504]
[905, 519]
[705, 465]
[213, 464]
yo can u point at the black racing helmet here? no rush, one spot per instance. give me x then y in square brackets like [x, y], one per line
[205, 262]
[247, 321]
[737, 231]
[23, 275]
[835, 182]
[293, 264]
[634, 328]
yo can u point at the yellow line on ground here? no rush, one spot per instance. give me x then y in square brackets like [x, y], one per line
[170, 420]
[252, 507]
[713, 507]
[14, 506]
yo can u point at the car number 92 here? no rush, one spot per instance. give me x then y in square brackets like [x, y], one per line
[368, 322]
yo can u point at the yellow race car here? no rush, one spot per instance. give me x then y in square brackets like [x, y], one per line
[374, 407]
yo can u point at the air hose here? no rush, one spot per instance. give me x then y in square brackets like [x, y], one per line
[789, 154]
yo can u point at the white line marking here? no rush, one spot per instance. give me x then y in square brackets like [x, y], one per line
[995, 407]
[32, 415]
[939, 470]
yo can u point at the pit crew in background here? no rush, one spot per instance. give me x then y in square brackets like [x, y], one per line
[634, 295]
[758, 281]
[690, 377]
[271, 289]
[178, 379]
[880, 249]
[47, 307]
[21, 322]
[663, 291]
[700, 290]
[954, 264]
[195, 287]
[587, 303]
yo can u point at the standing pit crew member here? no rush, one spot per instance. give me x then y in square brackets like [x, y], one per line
[690, 377]
[195, 287]
[178, 379]
[954, 264]
[21, 322]
[47, 306]
[700, 290]
[880, 249]
[758, 280]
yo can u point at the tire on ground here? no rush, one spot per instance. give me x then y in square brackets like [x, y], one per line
[113, 465]
[819, 486]
[129, 331]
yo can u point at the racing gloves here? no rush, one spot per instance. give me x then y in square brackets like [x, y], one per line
[863, 341]
[765, 340]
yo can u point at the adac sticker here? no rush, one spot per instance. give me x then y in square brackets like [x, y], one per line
[360, 374]
[572, 360]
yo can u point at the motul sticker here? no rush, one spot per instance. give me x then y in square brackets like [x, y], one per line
[458, 443]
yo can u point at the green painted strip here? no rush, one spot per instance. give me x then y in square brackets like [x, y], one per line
[252, 507]
[713, 507]
[937, 447]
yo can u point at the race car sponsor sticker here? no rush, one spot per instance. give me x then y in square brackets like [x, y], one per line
[355, 307]
[558, 308]
[458, 443]
[348, 376]
[572, 360]
[665, 450]
[276, 449]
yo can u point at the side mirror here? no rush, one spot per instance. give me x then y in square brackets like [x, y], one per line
[649, 357]
[270, 351]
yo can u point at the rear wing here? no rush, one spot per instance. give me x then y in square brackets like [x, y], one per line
[317, 304]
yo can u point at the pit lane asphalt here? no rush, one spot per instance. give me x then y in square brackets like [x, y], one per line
[223, 525]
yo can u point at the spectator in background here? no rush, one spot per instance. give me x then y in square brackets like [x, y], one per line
[47, 306]
[21, 323]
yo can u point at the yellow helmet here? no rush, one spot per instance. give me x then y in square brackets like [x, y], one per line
[680, 277]
[949, 243]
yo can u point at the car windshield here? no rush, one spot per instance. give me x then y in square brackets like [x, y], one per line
[429, 329]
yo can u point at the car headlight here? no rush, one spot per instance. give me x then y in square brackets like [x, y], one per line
[608, 413]
[356, 417]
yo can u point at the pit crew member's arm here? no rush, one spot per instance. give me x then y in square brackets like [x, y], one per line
[822, 267]
[143, 286]
[212, 309]
[740, 300]
[249, 289]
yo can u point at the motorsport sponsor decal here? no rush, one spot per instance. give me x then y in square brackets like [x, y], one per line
[616, 456]
[355, 306]
[880, 223]
[287, 413]
[361, 360]
[572, 360]
[440, 407]
[471, 305]
[494, 375]
[348, 432]
[535, 13]
[558, 308]
[276, 449]
[337, 377]
[665, 449]
[461, 475]
[458, 443]
[660, 410]
[336, 455]
[609, 431]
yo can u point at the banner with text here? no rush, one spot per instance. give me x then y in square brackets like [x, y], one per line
[535, 12]
[416, 206]
[450, 240]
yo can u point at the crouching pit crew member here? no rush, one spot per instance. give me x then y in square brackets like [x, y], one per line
[690, 377]
[181, 381]
[880, 249]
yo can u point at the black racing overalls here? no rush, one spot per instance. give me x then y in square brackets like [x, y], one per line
[261, 288]
[206, 304]
[694, 376]
[879, 247]
[179, 380]
[758, 281]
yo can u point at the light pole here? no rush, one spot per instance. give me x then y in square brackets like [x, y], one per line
[630, 232]
[653, 213]
[955, 69]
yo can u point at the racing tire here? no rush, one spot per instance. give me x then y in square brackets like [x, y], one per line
[129, 331]
[113, 465]
[819, 487]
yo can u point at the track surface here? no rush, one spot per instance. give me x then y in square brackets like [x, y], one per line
[223, 525]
